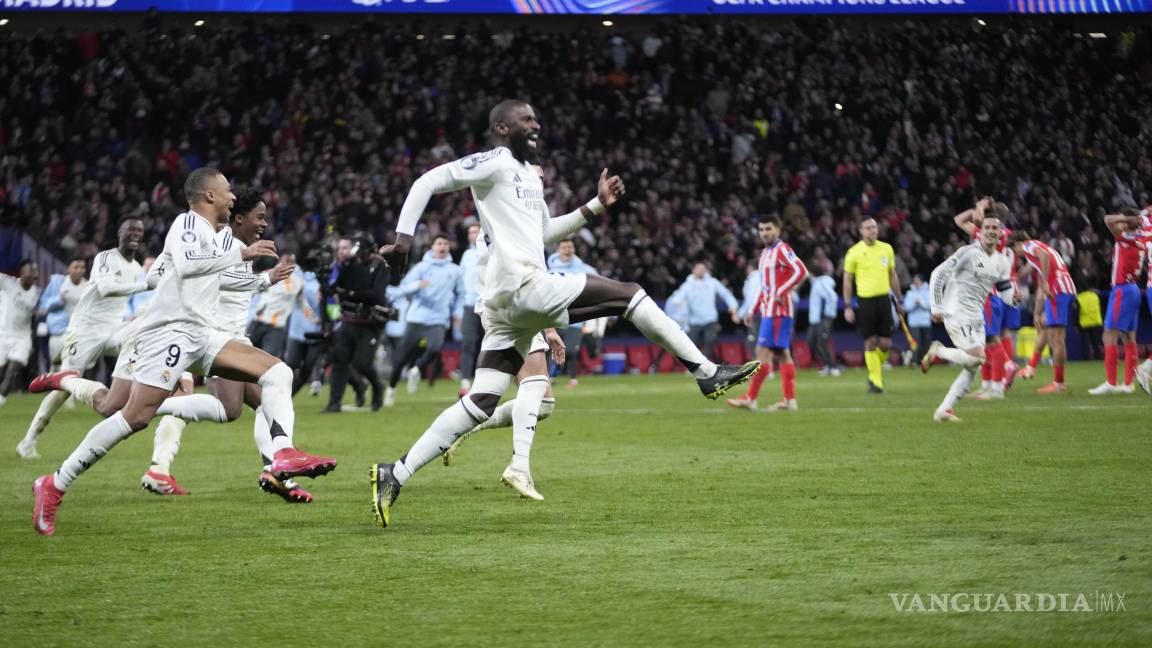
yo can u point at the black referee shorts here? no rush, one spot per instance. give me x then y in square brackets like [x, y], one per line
[874, 317]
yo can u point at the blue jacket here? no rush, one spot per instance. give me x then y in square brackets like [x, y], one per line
[395, 328]
[575, 266]
[699, 296]
[50, 301]
[822, 300]
[752, 285]
[299, 324]
[916, 306]
[443, 298]
[677, 310]
[468, 269]
[139, 301]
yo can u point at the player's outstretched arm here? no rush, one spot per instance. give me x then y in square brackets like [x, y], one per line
[609, 190]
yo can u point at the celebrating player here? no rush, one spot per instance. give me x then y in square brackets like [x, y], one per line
[95, 329]
[959, 288]
[1055, 293]
[520, 297]
[782, 271]
[1123, 301]
[18, 298]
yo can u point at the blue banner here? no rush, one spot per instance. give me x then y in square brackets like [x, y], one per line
[596, 7]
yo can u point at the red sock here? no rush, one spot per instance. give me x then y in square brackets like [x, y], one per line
[1009, 349]
[788, 380]
[754, 383]
[1130, 360]
[986, 371]
[995, 363]
[1035, 359]
[1058, 374]
[1111, 351]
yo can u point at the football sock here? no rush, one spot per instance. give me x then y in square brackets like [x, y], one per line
[48, 408]
[959, 387]
[788, 380]
[986, 373]
[501, 418]
[82, 389]
[875, 367]
[166, 443]
[996, 365]
[276, 403]
[655, 324]
[755, 382]
[1009, 348]
[261, 434]
[99, 440]
[196, 407]
[525, 413]
[462, 416]
[1035, 359]
[1058, 374]
[958, 357]
[1130, 358]
[1111, 351]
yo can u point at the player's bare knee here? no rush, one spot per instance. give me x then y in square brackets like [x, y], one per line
[232, 411]
[137, 420]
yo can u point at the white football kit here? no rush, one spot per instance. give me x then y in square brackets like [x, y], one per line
[960, 286]
[97, 326]
[179, 332]
[538, 341]
[70, 294]
[236, 287]
[520, 297]
[17, 308]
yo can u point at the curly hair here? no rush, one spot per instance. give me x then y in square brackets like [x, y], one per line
[246, 201]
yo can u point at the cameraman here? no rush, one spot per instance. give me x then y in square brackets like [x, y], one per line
[361, 287]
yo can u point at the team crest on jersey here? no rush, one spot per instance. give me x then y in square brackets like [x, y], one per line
[188, 236]
[166, 376]
[472, 161]
[884, 261]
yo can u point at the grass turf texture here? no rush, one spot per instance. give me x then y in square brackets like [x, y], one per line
[669, 520]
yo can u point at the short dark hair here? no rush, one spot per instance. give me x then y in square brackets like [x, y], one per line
[126, 218]
[1018, 236]
[816, 267]
[499, 112]
[566, 240]
[246, 201]
[441, 236]
[197, 182]
[770, 219]
[23, 262]
[78, 258]
[1001, 211]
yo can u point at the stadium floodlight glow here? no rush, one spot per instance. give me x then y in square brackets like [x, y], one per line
[419, 36]
[199, 23]
[3, 21]
[607, 23]
[449, 37]
[1097, 35]
[980, 21]
[838, 106]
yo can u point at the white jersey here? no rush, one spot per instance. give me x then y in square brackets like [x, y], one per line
[114, 280]
[70, 293]
[509, 197]
[236, 287]
[17, 306]
[189, 270]
[960, 285]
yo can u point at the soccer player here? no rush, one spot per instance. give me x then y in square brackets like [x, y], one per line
[96, 327]
[782, 271]
[18, 299]
[58, 300]
[994, 371]
[870, 268]
[1144, 371]
[960, 287]
[470, 329]
[1123, 310]
[1055, 293]
[565, 261]
[434, 288]
[178, 334]
[520, 297]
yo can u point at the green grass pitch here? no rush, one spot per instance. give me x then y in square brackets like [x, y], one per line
[669, 520]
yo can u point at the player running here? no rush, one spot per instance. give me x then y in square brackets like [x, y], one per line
[520, 297]
[178, 334]
[959, 288]
[96, 328]
[782, 271]
[1123, 300]
[18, 299]
[1055, 293]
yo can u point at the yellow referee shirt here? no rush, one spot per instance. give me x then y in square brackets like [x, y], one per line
[871, 265]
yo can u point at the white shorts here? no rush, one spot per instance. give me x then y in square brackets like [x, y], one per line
[81, 349]
[15, 348]
[125, 367]
[541, 302]
[965, 334]
[162, 355]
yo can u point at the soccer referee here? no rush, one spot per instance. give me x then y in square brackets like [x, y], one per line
[870, 267]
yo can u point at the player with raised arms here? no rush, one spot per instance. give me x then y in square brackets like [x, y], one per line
[520, 297]
[1055, 293]
[1123, 313]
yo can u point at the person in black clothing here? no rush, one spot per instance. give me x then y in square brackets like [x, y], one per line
[360, 287]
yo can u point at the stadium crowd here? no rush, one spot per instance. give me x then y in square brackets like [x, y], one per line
[712, 122]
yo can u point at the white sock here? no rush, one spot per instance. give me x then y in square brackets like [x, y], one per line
[525, 415]
[452, 422]
[998, 385]
[166, 443]
[663, 330]
[958, 357]
[82, 389]
[196, 407]
[501, 418]
[547, 406]
[465, 384]
[276, 403]
[48, 408]
[986, 384]
[1146, 365]
[959, 388]
[260, 433]
[95, 445]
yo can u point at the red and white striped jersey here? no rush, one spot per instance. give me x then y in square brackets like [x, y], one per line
[1058, 280]
[781, 271]
[1128, 256]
